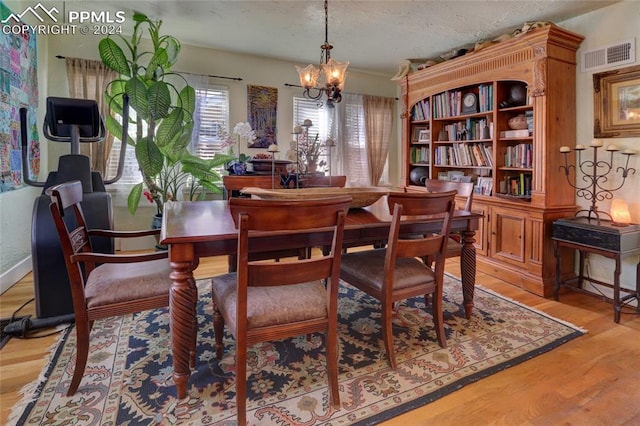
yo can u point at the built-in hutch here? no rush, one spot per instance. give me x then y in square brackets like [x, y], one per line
[498, 117]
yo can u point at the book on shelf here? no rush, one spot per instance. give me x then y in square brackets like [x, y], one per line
[484, 186]
[523, 133]
[516, 186]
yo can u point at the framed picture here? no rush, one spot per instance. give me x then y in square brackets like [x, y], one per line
[416, 131]
[616, 107]
[262, 111]
[485, 185]
[424, 136]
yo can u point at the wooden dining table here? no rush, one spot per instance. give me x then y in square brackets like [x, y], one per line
[196, 229]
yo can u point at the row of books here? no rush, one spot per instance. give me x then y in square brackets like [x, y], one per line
[449, 103]
[421, 111]
[464, 154]
[420, 155]
[468, 130]
[520, 155]
[485, 97]
[518, 186]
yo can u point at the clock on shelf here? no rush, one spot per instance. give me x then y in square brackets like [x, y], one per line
[469, 103]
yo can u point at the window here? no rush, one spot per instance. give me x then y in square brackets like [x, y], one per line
[346, 125]
[212, 122]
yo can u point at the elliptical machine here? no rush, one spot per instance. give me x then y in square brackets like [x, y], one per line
[71, 121]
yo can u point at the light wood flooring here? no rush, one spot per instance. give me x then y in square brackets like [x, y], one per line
[591, 380]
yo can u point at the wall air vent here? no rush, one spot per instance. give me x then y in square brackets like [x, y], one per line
[623, 52]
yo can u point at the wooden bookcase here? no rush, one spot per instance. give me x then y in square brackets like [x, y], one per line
[520, 187]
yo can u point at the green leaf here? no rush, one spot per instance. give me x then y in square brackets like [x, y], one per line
[188, 99]
[149, 157]
[137, 92]
[159, 99]
[157, 64]
[115, 128]
[140, 17]
[113, 56]
[134, 198]
[170, 127]
[173, 49]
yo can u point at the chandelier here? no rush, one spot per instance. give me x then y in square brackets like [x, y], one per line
[334, 71]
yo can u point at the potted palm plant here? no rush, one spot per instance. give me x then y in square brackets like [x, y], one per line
[164, 104]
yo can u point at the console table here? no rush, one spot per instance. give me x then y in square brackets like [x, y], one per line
[604, 239]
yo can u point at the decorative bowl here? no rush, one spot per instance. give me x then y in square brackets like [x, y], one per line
[519, 122]
[361, 197]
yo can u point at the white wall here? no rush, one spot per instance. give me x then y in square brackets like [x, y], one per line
[615, 23]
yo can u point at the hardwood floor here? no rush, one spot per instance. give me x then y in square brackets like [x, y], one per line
[591, 380]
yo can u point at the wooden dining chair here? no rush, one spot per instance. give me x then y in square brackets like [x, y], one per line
[233, 188]
[465, 194]
[267, 300]
[395, 273]
[103, 285]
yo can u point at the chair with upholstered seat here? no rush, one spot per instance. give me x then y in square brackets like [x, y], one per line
[268, 300]
[103, 285]
[233, 187]
[395, 273]
[465, 193]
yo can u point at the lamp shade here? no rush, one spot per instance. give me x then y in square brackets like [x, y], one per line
[308, 76]
[620, 212]
[335, 72]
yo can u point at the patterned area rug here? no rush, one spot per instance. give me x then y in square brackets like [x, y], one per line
[128, 376]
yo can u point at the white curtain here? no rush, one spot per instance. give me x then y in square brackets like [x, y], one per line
[199, 83]
[347, 128]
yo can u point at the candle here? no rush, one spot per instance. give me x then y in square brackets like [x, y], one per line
[307, 123]
[297, 130]
[629, 152]
[580, 147]
[565, 149]
[612, 148]
[596, 143]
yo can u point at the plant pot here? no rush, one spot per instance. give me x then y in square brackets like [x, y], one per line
[238, 169]
[156, 223]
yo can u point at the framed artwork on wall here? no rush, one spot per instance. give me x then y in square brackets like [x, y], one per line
[616, 107]
[262, 111]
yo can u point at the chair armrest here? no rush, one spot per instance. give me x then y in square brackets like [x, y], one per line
[119, 258]
[122, 234]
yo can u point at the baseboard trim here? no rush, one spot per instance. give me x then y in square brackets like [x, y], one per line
[15, 274]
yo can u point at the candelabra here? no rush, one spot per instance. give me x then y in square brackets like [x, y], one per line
[273, 149]
[329, 143]
[595, 174]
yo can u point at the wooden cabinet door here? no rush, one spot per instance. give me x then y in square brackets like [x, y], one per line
[481, 236]
[507, 239]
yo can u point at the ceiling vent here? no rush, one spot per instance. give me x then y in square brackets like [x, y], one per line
[623, 52]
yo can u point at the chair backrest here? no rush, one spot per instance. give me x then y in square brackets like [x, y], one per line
[236, 183]
[73, 232]
[465, 189]
[420, 204]
[262, 217]
[321, 181]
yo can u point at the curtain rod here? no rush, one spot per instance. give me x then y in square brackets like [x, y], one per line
[182, 72]
[350, 93]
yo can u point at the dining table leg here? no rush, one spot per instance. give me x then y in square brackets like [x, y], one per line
[182, 321]
[468, 270]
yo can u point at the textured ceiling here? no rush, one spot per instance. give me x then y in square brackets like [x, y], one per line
[374, 35]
